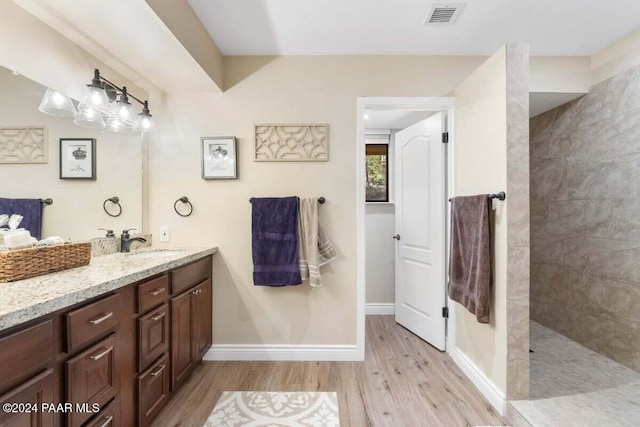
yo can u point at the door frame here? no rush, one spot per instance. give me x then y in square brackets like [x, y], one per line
[444, 104]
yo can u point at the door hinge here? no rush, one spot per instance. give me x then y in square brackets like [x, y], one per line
[445, 137]
[445, 312]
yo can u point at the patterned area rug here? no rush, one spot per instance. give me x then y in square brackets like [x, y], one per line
[264, 408]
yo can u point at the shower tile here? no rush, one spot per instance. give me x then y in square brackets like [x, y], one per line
[591, 218]
[547, 248]
[574, 386]
[626, 221]
[626, 345]
[518, 221]
[604, 180]
[550, 177]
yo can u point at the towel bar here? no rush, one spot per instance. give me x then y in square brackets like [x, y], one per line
[500, 196]
[47, 202]
[321, 200]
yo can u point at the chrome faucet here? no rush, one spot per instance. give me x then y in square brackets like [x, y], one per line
[126, 240]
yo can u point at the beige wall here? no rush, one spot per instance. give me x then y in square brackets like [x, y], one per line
[481, 167]
[279, 90]
[77, 209]
[616, 58]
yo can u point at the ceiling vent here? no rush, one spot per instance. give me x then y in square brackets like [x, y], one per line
[444, 13]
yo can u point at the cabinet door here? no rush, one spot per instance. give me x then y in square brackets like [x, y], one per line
[153, 391]
[153, 336]
[35, 391]
[92, 377]
[201, 319]
[181, 339]
[108, 416]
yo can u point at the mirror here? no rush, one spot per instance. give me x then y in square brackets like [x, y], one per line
[30, 167]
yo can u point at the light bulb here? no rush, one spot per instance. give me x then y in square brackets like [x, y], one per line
[96, 98]
[57, 98]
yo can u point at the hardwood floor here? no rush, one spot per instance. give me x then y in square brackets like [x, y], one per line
[403, 382]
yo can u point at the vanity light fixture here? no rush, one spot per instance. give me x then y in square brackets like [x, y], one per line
[104, 105]
[56, 104]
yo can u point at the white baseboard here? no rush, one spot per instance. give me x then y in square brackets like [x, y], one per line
[381, 309]
[340, 353]
[487, 388]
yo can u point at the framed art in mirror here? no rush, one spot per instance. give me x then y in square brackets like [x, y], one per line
[219, 157]
[78, 158]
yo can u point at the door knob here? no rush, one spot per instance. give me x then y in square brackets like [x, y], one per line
[397, 237]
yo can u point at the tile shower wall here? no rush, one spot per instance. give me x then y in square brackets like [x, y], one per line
[585, 219]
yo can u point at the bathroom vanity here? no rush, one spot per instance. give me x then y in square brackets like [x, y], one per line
[106, 344]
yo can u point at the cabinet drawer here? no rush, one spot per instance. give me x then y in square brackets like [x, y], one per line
[185, 277]
[152, 293]
[25, 353]
[153, 391]
[36, 391]
[153, 336]
[89, 323]
[92, 377]
[109, 416]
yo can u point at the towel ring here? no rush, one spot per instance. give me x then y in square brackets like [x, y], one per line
[184, 200]
[116, 201]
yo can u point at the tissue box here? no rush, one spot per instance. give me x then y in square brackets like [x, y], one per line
[25, 263]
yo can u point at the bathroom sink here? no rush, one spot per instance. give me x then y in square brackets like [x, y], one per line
[159, 253]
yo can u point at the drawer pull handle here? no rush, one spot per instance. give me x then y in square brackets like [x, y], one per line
[107, 421]
[158, 316]
[101, 319]
[157, 371]
[196, 292]
[157, 292]
[102, 353]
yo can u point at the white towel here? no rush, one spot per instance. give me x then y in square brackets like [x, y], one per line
[314, 247]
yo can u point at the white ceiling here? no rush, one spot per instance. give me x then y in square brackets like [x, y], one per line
[359, 27]
[540, 102]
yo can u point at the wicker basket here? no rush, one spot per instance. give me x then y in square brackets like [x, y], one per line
[25, 263]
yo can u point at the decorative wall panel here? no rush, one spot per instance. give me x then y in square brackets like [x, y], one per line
[291, 143]
[23, 145]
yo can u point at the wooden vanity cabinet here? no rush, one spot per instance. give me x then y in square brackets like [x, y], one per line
[92, 378]
[127, 351]
[191, 318]
[109, 416]
[35, 391]
[153, 386]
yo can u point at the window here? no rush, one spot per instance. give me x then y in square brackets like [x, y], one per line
[377, 158]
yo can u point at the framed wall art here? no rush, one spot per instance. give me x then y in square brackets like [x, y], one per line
[77, 158]
[219, 157]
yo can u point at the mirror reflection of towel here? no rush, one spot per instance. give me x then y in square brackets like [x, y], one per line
[314, 247]
[30, 209]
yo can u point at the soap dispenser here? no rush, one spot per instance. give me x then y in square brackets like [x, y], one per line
[110, 233]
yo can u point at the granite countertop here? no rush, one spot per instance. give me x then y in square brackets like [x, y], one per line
[29, 299]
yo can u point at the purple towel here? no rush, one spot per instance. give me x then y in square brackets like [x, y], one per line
[275, 242]
[30, 209]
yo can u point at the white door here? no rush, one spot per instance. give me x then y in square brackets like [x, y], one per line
[420, 228]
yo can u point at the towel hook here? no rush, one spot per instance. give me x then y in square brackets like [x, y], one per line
[116, 201]
[184, 200]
